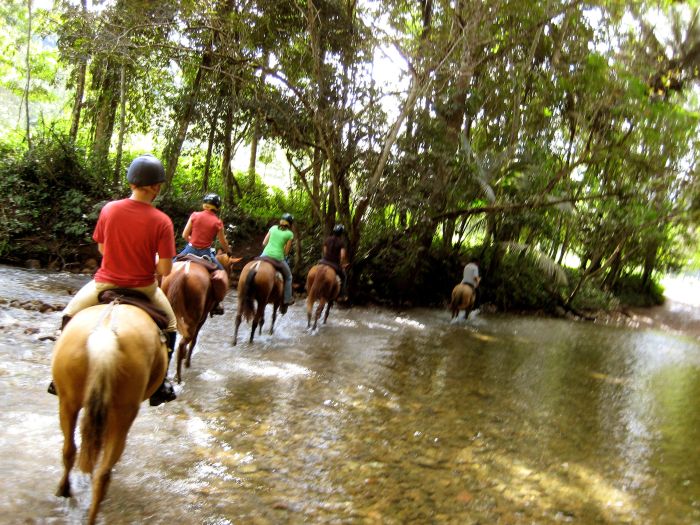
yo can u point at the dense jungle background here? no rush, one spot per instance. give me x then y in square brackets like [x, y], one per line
[555, 141]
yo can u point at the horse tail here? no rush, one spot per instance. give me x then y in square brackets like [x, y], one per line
[102, 352]
[248, 299]
[456, 299]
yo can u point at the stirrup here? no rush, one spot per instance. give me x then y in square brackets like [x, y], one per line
[164, 394]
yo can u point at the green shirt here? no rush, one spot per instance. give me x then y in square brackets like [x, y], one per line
[275, 244]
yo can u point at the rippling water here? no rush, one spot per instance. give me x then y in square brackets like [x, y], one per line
[379, 417]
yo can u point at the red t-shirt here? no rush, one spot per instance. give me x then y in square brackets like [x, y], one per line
[205, 227]
[131, 233]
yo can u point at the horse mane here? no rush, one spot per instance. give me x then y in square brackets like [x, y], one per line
[102, 350]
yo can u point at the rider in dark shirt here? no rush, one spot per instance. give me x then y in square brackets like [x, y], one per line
[335, 255]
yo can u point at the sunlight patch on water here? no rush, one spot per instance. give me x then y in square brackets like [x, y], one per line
[29, 423]
[270, 369]
[613, 503]
[382, 326]
[199, 431]
[409, 322]
[211, 375]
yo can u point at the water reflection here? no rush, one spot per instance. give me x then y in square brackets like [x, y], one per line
[377, 417]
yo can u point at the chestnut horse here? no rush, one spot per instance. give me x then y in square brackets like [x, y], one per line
[258, 286]
[193, 294]
[322, 285]
[108, 359]
[463, 296]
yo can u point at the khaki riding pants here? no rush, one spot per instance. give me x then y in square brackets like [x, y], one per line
[87, 296]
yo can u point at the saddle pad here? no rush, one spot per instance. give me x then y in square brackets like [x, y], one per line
[204, 261]
[134, 298]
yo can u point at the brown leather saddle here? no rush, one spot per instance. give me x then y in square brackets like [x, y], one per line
[199, 260]
[134, 298]
[274, 262]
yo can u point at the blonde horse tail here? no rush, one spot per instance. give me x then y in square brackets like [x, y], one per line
[102, 351]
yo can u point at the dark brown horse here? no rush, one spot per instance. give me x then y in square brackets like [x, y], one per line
[258, 286]
[463, 296]
[108, 359]
[192, 293]
[322, 285]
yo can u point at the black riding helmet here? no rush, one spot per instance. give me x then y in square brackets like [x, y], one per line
[338, 230]
[145, 170]
[288, 218]
[213, 199]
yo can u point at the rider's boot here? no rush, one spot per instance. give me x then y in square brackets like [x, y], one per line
[165, 392]
[217, 309]
[64, 322]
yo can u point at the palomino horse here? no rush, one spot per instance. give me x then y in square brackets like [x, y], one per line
[108, 359]
[258, 286]
[322, 285]
[463, 296]
[192, 294]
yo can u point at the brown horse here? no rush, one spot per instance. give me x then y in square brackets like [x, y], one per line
[463, 296]
[108, 359]
[258, 286]
[322, 285]
[192, 293]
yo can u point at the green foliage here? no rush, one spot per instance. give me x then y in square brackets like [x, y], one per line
[632, 291]
[47, 199]
[517, 283]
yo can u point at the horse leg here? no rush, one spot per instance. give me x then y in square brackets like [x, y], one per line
[309, 309]
[319, 309]
[181, 351]
[274, 317]
[261, 316]
[68, 417]
[328, 310]
[238, 323]
[115, 440]
[188, 362]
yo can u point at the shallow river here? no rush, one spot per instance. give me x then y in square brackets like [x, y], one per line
[380, 417]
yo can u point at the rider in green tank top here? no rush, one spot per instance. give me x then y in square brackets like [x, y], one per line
[277, 244]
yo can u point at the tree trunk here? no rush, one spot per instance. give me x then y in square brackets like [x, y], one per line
[184, 117]
[122, 125]
[210, 147]
[79, 90]
[106, 109]
[253, 153]
[28, 66]
[230, 182]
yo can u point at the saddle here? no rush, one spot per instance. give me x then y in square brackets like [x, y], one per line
[204, 261]
[331, 264]
[134, 298]
[279, 268]
[219, 278]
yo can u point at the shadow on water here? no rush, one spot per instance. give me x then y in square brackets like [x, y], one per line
[377, 417]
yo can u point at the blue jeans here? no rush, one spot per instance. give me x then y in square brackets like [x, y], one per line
[202, 252]
[287, 274]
